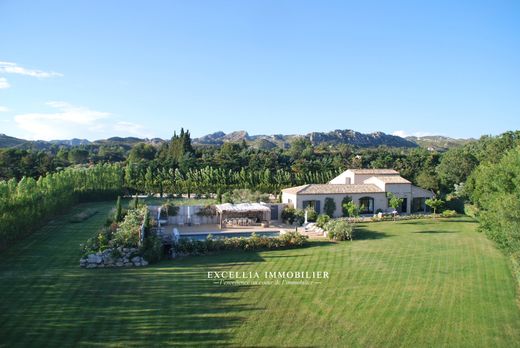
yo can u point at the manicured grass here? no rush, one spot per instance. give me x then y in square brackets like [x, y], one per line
[411, 283]
[179, 201]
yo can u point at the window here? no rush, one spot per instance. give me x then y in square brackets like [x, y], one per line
[404, 206]
[366, 205]
[418, 204]
[312, 204]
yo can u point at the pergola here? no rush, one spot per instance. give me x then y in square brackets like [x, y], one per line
[256, 211]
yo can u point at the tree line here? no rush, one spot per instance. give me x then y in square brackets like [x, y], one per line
[26, 204]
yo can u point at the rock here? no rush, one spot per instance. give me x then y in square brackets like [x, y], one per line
[136, 259]
[144, 263]
[128, 264]
[119, 264]
[91, 265]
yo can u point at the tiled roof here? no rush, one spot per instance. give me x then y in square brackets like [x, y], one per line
[316, 189]
[375, 171]
[392, 179]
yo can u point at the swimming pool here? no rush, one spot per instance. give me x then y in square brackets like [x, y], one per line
[217, 235]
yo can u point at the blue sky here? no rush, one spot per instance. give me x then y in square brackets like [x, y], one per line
[93, 69]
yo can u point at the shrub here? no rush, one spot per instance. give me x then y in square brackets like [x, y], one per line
[339, 230]
[311, 214]
[344, 205]
[127, 234]
[351, 208]
[195, 247]
[394, 201]
[208, 210]
[471, 210]
[322, 220]
[152, 248]
[119, 210]
[170, 208]
[449, 213]
[454, 203]
[329, 207]
[288, 215]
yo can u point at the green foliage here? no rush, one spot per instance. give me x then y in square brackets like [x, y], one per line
[339, 230]
[455, 167]
[27, 204]
[329, 207]
[434, 203]
[246, 196]
[219, 195]
[322, 220]
[152, 248]
[208, 210]
[170, 208]
[128, 231]
[288, 215]
[119, 210]
[394, 201]
[344, 205]
[188, 246]
[351, 209]
[311, 214]
[449, 213]
[454, 203]
[471, 210]
[496, 193]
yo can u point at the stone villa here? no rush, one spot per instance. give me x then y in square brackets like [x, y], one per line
[367, 188]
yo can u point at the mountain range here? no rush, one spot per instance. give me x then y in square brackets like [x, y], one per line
[347, 136]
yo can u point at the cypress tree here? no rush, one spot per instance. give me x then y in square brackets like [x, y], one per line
[119, 210]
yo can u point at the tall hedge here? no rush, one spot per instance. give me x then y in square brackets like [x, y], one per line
[496, 192]
[26, 204]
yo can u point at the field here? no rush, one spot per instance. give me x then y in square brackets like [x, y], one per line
[411, 283]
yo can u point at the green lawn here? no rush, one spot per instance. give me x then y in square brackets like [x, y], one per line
[411, 283]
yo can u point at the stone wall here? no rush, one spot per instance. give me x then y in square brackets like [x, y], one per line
[124, 257]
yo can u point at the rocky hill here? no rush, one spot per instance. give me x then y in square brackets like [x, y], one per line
[347, 136]
[438, 142]
[333, 138]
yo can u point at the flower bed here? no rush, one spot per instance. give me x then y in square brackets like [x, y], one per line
[197, 247]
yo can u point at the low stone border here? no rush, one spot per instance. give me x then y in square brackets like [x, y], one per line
[129, 258]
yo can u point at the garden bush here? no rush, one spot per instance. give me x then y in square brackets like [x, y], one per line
[186, 246]
[344, 205]
[449, 213]
[311, 215]
[339, 230]
[288, 215]
[329, 207]
[322, 220]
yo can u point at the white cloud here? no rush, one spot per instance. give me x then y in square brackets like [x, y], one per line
[70, 121]
[13, 68]
[4, 109]
[131, 128]
[67, 121]
[4, 83]
[404, 134]
[400, 133]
